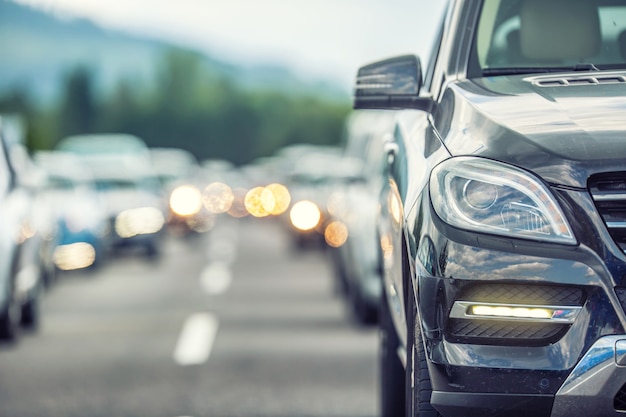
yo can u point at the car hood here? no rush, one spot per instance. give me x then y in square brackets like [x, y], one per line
[563, 127]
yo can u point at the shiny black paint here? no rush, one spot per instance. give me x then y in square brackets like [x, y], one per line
[394, 83]
[561, 134]
[374, 79]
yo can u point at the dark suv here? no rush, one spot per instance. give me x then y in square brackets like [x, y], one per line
[503, 223]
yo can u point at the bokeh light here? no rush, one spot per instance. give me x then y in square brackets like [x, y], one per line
[186, 200]
[336, 234]
[267, 199]
[218, 198]
[386, 245]
[254, 202]
[279, 196]
[139, 221]
[74, 256]
[305, 215]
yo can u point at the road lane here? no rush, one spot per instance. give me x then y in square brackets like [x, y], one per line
[283, 347]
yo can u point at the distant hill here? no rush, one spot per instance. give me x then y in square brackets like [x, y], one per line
[38, 49]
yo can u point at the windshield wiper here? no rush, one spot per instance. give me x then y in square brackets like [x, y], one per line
[538, 70]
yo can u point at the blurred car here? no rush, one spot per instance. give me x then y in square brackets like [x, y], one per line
[32, 179]
[21, 269]
[312, 179]
[132, 197]
[503, 215]
[357, 259]
[127, 186]
[179, 174]
[81, 238]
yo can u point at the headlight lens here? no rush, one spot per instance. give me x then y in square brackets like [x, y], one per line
[139, 221]
[305, 215]
[186, 200]
[492, 197]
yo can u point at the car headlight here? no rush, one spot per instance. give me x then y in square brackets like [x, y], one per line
[491, 197]
[139, 221]
[305, 215]
[186, 200]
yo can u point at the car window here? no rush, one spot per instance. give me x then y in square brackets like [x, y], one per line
[428, 78]
[547, 34]
[431, 64]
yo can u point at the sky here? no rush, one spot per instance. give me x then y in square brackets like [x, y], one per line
[323, 39]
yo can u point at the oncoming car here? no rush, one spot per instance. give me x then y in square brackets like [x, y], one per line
[502, 225]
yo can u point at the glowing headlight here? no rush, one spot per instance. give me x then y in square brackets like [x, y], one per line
[516, 312]
[74, 256]
[186, 200]
[305, 215]
[492, 197]
[139, 221]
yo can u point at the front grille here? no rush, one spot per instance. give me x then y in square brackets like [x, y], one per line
[509, 332]
[609, 195]
[619, 402]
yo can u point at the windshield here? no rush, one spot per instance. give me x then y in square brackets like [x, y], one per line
[523, 36]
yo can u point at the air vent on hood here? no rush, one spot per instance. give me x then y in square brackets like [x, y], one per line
[587, 79]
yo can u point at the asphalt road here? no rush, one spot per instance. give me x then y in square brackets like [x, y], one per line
[234, 323]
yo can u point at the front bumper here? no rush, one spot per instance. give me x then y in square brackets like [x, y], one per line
[596, 387]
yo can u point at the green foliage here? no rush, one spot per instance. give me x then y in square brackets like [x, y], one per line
[78, 111]
[191, 107]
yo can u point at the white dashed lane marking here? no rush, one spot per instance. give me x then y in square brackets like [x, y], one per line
[196, 339]
[216, 278]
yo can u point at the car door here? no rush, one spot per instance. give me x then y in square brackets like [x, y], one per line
[412, 148]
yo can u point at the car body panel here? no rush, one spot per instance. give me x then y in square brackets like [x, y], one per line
[514, 120]
[564, 130]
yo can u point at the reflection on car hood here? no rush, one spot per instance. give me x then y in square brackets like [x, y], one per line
[563, 127]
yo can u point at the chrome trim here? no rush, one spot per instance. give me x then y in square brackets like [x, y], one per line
[371, 77]
[401, 352]
[372, 86]
[564, 80]
[616, 225]
[590, 388]
[609, 196]
[561, 314]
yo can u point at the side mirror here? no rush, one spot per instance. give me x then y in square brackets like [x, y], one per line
[391, 84]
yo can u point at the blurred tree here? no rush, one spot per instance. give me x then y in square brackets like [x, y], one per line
[18, 102]
[120, 112]
[191, 106]
[78, 109]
